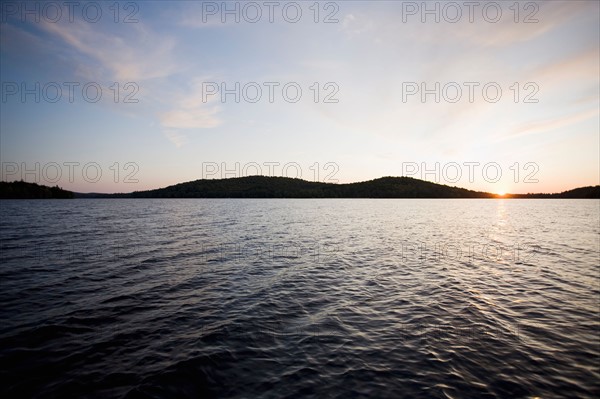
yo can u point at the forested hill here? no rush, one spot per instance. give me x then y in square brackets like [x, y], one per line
[581, 192]
[283, 187]
[24, 190]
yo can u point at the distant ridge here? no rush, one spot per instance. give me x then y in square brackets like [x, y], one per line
[285, 187]
[24, 190]
[581, 192]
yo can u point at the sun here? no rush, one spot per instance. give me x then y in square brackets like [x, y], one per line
[501, 193]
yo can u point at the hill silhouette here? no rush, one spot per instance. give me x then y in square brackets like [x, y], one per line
[284, 187]
[24, 190]
[581, 192]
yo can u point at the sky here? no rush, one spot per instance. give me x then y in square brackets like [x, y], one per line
[124, 96]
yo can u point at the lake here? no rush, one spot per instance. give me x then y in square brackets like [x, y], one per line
[150, 298]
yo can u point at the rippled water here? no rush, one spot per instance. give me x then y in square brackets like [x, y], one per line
[294, 298]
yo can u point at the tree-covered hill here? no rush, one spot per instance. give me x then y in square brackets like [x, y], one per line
[24, 190]
[581, 192]
[283, 187]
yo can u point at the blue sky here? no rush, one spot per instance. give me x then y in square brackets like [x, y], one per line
[367, 58]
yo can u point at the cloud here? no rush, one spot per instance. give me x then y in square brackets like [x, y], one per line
[15, 40]
[191, 112]
[479, 31]
[551, 124]
[583, 66]
[190, 118]
[175, 137]
[543, 17]
[139, 55]
[354, 26]
[142, 56]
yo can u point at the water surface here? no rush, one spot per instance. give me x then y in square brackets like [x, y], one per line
[292, 298]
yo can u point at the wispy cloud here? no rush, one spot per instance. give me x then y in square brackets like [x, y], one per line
[191, 112]
[175, 137]
[354, 25]
[190, 118]
[551, 124]
[142, 56]
[506, 32]
[583, 66]
[479, 31]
